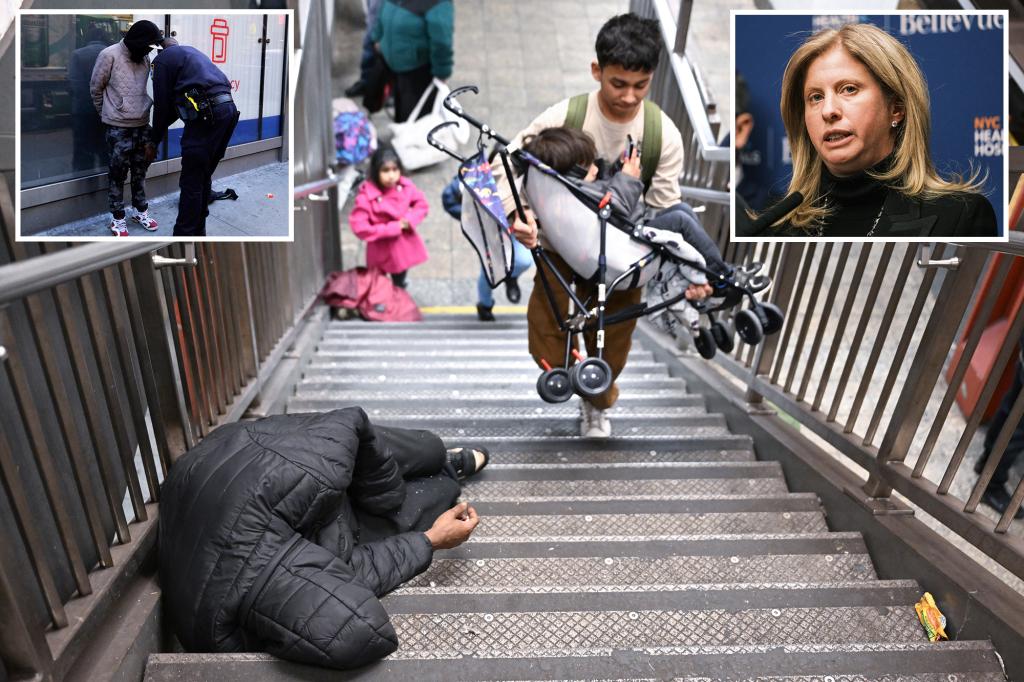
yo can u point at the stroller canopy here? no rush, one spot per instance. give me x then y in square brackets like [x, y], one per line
[483, 219]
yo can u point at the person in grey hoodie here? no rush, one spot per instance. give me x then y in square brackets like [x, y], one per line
[118, 89]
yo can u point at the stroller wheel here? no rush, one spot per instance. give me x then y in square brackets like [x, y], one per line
[554, 386]
[591, 378]
[751, 269]
[771, 318]
[705, 343]
[723, 337]
[749, 327]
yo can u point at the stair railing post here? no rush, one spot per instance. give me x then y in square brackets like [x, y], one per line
[782, 290]
[940, 334]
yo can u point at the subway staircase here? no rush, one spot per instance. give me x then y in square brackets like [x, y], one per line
[666, 552]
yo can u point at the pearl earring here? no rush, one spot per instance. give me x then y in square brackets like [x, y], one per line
[895, 123]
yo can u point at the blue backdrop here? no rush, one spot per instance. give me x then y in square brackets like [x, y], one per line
[962, 60]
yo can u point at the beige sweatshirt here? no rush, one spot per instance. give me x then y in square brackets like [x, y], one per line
[610, 139]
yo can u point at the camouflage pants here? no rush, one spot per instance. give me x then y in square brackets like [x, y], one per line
[127, 148]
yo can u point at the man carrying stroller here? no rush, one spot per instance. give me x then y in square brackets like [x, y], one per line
[627, 49]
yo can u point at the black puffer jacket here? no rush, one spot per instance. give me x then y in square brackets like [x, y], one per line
[257, 548]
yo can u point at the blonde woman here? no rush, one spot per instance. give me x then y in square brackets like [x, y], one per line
[856, 111]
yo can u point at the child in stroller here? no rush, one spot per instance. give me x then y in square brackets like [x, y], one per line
[608, 266]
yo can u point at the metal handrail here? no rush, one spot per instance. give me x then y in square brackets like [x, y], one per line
[689, 88]
[825, 385]
[314, 190]
[27, 277]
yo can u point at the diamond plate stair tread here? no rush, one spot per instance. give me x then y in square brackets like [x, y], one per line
[531, 633]
[534, 425]
[446, 385]
[739, 545]
[519, 574]
[663, 595]
[620, 489]
[582, 455]
[722, 504]
[896, 662]
[552, 527]
[509, 366]
[677, 443]
[630, 472]
[430, 411]
[339, 352]
[380, 395]
[654, 376]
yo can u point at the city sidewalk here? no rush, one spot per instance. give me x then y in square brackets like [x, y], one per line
[261, 210]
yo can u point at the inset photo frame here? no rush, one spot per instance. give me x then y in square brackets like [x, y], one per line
[154, 124]
[880, 126]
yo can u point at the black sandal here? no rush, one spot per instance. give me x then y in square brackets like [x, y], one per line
[463, 460]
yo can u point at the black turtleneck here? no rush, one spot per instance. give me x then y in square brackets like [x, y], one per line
[855, 201]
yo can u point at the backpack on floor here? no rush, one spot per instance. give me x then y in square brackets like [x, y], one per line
[355, 137]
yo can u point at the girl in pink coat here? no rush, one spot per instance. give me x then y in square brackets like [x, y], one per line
[388, 209]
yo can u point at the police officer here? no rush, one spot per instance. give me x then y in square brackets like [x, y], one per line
[187, 85]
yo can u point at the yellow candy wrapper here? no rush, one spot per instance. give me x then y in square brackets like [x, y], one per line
[931, 618]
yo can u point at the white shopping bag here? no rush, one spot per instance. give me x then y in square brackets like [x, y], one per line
[410, 138]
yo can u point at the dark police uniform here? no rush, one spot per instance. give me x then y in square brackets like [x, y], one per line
[176, 71]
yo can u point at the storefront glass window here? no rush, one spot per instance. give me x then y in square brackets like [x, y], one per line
[62, 137]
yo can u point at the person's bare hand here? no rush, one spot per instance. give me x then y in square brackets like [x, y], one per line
[150, 152]
[631, 165]
[525, 233]
[453, 527]
[698, 292]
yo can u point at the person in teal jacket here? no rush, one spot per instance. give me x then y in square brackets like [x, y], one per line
[415, 39]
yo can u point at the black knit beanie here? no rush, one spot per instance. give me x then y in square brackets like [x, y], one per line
[140, 37]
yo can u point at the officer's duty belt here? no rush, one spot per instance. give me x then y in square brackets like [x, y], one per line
[218, 99]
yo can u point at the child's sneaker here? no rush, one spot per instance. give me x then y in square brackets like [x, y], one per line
[119, 227]
[142, 218]
[594, 423]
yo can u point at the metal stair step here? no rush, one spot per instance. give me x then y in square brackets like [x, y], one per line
[737, 545]
[530, 625]
[381, 396]
[654, 375]
[589, 453]
[426, 366]
[568, 425]
[466, 322]
[624, 572]
[567, 446]
[451, 385]
[404, 412]
[846, 662]
[735, 504]
[336, 351]
[617, 489]
[651, 526]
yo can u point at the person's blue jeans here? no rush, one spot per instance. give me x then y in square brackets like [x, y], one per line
[366, 60]
[522, 259]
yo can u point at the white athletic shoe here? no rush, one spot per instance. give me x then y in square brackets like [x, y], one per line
[142, 218]
[594, 423]
[119, 227]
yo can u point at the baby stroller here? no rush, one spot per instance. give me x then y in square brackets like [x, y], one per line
[625, 257]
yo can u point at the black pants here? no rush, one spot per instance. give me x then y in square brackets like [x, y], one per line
[1016, 445]
[202, 147]
[431, 485]
[409, 87]
[400, 279]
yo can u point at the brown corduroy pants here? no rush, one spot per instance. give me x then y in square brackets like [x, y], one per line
[547, 341]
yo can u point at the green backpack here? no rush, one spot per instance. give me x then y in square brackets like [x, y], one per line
[650, 146]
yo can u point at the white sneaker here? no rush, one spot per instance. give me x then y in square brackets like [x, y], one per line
[142, 218]
[119, 227]
[594, 423]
